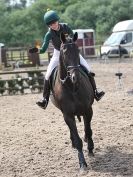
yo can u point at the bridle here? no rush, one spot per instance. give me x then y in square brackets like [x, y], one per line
[69, 67]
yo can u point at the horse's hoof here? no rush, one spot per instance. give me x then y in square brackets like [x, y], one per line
[73, 146]
[74, 150]
[83, 168]
[85, 139]
[91, 154]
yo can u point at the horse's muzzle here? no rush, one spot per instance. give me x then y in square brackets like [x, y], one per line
[73, 73]
[74, 78]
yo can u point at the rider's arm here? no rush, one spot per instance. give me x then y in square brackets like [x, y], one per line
[45, 44]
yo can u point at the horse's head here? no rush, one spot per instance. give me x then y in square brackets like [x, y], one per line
[69, 54]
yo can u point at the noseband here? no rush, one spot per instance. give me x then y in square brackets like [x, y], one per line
[69, 67]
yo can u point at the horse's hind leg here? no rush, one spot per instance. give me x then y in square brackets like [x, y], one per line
[88, 131]
[76, 140]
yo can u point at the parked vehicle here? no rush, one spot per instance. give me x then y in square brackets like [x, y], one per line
[120, 42]
[1, 45]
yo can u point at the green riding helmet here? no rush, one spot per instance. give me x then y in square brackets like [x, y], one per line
[50, 16]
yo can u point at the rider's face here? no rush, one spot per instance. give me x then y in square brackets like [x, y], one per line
[54, 26]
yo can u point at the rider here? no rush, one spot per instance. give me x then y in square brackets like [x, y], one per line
[55, 28]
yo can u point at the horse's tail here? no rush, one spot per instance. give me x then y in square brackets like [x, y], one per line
[79, 118]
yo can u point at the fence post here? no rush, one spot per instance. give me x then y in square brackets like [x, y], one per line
[3, 56]
[34, 58]
[0, 57]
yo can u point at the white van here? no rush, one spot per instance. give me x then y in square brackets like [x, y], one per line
[120, 42]
[1, 45]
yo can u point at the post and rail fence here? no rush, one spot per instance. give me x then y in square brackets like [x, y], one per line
[25, 73]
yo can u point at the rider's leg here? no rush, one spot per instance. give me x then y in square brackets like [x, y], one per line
[46, 91]
[84, 63]
[98, 95]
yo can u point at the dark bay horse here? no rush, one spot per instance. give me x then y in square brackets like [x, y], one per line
[73, 95]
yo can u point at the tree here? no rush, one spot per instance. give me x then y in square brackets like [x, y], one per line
[22, 24]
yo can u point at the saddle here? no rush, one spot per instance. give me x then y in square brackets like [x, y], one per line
[53, 76]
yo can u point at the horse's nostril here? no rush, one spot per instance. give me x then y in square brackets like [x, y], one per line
[73, 80]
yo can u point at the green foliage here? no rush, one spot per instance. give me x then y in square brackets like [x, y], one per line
[12, 86]
[36, 80]
[22, 25]
[19, 83]
[31, 81]
[2, 86]
[80, 16]
[40, 80]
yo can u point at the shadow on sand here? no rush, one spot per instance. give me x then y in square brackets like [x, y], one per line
[113, 161]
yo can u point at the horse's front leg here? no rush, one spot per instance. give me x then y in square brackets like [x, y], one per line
[88, 131]
[76, 140]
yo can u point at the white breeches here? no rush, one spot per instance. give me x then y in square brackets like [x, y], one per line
[55, 60]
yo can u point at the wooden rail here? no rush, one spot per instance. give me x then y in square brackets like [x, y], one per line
[22, 71]
[33, 82]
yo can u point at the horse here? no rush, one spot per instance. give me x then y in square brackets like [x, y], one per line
[73, 94]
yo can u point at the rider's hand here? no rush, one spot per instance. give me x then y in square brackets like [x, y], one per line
[33, 50]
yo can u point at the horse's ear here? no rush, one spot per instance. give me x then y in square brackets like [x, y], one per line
[75, 37]
[62, 37]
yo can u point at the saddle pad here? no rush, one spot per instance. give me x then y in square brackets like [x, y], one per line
[53, 78]
[83, 71]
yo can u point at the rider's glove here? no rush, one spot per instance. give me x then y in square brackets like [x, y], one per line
[33, 50]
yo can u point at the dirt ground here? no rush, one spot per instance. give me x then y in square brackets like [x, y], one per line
[36, 143]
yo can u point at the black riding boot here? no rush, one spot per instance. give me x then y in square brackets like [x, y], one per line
[46, 92]
[98, 95]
